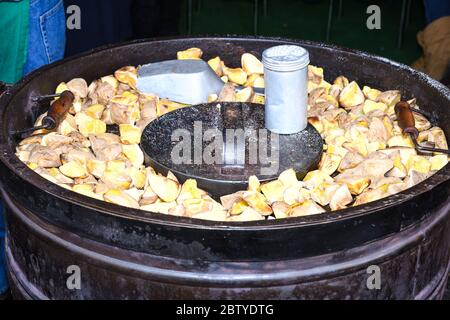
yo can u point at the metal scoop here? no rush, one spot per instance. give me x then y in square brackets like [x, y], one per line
[184, 81]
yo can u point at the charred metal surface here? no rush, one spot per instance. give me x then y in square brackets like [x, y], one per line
[126, 253]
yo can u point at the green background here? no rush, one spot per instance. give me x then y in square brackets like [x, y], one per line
[302, 20]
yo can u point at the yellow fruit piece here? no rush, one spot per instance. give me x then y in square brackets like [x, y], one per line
[61, 88]
[148, 197]
[292, 195]
[96, 167]
[138, 177]
[273, 191]
[130, 134]
[251, 64]
[197, 206]
[323, 193]
[390, 98]
[119, 197]
[289, 178]
[73, 169]
[358, 145]
[356, 184]
[315, 178]
[88, 125]
[245, 95]
[258, 202]
[438, 162]
[248, 214]
[371, 94]
[190, 54]
[95, 111]
[110, 80]
[229, 200]
[126, 98]
[351, 96]
[254, 184]
[117, 179]
[159, 207]
[87, 190]
[32, 165]
[134, 153]
[341, 198]
[166, 189]
[236, 75]
[307, 208]
[370, 106]
[401, 141]
[370, 196]
[216, 65]
[238, 207]
[215, 215]
[212, 98]
[315, 74]
[419, 164]
[256, 81]
[281, 210]
[127, 75]
[330, 163]
[259, 99]
[189, 190]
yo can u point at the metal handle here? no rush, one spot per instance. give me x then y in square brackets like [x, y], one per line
[405, 118]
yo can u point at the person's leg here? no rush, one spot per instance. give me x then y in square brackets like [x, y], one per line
[47, 33]
[436, 9]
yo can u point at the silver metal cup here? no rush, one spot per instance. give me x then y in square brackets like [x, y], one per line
[286, 82]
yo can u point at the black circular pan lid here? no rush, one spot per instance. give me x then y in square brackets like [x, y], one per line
[222, 144]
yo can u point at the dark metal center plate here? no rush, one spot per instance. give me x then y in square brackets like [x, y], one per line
[222, 144]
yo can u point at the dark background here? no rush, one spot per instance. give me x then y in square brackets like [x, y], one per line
[106, 21]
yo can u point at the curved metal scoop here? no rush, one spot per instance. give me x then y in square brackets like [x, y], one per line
[222, 145]
[185, 81]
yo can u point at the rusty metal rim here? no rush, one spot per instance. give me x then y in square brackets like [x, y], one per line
[99, 253]
[14, 164]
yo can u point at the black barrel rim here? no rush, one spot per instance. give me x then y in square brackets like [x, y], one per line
[14, 164]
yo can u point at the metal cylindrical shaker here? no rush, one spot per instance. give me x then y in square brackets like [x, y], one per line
[286, 82]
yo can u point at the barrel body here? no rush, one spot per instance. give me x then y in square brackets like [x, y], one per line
[62, 245]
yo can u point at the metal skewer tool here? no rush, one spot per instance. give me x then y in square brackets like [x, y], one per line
[56, 113]
[407, 123]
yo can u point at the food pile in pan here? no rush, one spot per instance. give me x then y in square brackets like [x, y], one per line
[366, 156]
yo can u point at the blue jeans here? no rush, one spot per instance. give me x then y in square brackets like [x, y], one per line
[47, 33]
[436, 9]
[46, 44]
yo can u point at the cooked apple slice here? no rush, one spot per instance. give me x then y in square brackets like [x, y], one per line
[130, 134]
[119, 197]
[351, 96]
[236, 75]
[258, 202]
[307, 208]
[159, 207]
[273, 191]
[281, 209]
[74, 169]
[134, 153]
[190, 54]
[216, 65]
[341, 198]
[167, 189]
[251, 64]
[249, 214]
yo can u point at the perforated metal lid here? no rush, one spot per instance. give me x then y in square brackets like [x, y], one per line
[285, 58]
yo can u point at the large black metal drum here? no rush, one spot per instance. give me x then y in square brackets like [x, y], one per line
[130, 254]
